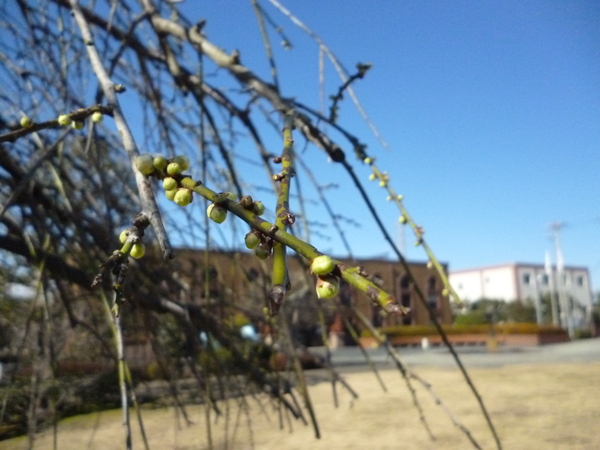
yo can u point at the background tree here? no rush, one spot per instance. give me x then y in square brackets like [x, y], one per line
[67, 192]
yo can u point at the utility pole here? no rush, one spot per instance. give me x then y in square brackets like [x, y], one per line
[566, 319]
[550, 275]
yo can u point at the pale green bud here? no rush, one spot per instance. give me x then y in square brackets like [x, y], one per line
[327, 287]
[402, 219]
[183, 162]
[123, 236]
[138, 250]
[382, 183]
[183, 197]
[26, 122]
[368, 160]
[77, 124]
[171, 194]
[169, 184]
[322, 265]
[445, 292]
[216, 213]
[64, 120]
[372, 177]
[252, 240]
[188, 183]
[174, 168]
[97, 117]
[231, 196]
[262, 252]
[160, 162]
[258, 208]
[144, 163]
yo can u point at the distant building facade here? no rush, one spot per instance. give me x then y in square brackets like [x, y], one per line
[245, 279]
[518, 281]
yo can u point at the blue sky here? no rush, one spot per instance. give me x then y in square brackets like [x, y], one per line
[491, 111]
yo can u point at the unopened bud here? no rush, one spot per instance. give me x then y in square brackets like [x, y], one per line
[187, 182]
[160, 162]
[327, 287]
[252, 240]
[322, 265]
[174, 169]
[169, 184]
[216, 213]
[262, 252]
[64, 120]
[26, 122]
[183, 197]
[138, 250]
[258, 208]
[183, 162]
[123, 236]
[145, 163]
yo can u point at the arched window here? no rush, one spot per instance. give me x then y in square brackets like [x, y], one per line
[405, 299]
[432, 294]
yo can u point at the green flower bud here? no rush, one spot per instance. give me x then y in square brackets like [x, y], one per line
[246, 202]
[252, 240]
[188, 183]
[368, 160]
[327, 287]
[183, 197]
[445, 292]
[258, 208]
[26, 122]
[216, 213]
[400, 197]
[160, 162]
[382, 183]
[64, 120]
[171, 194]
[231, 196]
[97, 117]
[123, 236]
[77, 124]
[183, 162]
[322, 265]
[138, 250]
[145, 163]
[169, 184]
[430, 264]
[262, 252]
[372, 177]
[402, 219]
[174, 168]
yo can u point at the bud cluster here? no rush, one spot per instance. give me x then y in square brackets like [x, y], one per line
[135, 250]
[178, 187]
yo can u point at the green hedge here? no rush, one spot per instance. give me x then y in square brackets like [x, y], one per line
[507, 328]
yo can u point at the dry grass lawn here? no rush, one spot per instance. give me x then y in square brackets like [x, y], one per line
[550, 406]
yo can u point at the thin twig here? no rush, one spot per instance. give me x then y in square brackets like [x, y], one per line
[149, 206]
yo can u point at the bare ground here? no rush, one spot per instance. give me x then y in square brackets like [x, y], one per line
[550, 406]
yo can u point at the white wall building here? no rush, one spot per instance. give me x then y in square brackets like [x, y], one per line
[517, 281]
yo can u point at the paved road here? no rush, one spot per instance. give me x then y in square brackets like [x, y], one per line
[577, 351]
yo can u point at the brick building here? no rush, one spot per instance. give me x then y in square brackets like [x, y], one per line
[244, 279]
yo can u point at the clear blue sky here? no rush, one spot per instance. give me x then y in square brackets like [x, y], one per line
[491, 110]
